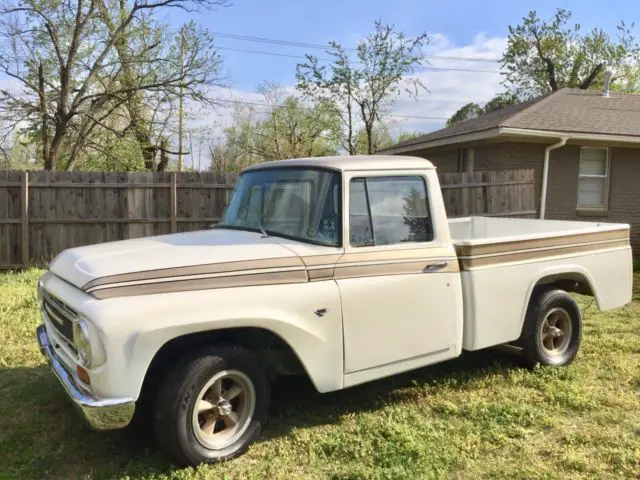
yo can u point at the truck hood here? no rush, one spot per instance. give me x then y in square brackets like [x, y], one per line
[82, 265]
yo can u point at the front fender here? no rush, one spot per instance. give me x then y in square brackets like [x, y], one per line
[136, 328]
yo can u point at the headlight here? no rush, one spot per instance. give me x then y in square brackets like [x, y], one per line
[39, 293]
[82, 341]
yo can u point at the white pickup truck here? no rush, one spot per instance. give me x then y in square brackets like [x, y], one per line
[345, 269]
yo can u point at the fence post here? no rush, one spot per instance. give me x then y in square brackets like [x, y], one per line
[24, 219]
[173, 199]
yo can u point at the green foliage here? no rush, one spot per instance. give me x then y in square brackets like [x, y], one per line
[467, 112]
[362, 89]
[380, 138]
[479, 416]
[290, 128]
[122, 156]
[408, 136]
[473, 110]
[543, 56]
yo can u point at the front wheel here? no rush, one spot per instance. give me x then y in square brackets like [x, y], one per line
[212, 406]
[553, 329]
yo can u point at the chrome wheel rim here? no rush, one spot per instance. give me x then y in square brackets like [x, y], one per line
[223, 409]
[555, 332]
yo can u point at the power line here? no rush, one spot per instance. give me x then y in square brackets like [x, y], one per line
[287, 55]
[290, 43]
[259, 104]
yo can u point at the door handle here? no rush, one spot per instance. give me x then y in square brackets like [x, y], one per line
[434, 267]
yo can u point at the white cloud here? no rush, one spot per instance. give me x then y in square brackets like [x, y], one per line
[451, 89]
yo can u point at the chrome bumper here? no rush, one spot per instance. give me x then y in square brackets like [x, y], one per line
[100, 413]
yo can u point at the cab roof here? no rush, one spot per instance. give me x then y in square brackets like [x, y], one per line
[346, 163]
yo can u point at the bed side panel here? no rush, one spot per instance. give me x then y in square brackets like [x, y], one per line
[496, 296]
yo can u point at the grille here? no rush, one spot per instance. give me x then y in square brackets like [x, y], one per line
[60, 314]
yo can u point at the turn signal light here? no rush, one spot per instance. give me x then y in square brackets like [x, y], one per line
[83, 374]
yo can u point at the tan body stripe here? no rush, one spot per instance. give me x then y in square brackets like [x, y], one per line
[225, 267]
[399, 268]
[315, 260]
[565, 240]
[272, 278]
[398, 255]
[320, 274]
[247, 273]
[540, 254]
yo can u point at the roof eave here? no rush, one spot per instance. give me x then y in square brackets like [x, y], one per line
[596, 137]
[496, 132]
[452, 140]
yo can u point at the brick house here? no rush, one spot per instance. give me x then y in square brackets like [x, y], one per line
[583, 145]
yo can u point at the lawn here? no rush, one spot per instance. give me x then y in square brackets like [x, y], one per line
[480, 416]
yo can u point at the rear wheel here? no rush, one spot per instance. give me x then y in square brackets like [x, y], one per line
[553, 329]
[212, 406]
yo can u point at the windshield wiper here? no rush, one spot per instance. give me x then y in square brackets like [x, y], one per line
[262, 230]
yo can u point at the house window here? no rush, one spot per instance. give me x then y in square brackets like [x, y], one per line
[593, 178]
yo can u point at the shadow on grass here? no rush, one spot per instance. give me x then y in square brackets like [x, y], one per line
[43, 436]
[296, 403]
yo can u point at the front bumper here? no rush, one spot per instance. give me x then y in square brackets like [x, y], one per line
[100, 413]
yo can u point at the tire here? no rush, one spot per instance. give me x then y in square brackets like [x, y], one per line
[188, 437]
[552, 329]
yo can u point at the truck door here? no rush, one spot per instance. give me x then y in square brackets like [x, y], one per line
[398, 279]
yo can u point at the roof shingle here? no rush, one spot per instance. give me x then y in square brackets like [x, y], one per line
[567, 110]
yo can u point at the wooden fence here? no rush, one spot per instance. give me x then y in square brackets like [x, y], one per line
[42, 213]
[489, 193]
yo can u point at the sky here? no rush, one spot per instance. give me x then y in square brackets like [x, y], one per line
[472, 29]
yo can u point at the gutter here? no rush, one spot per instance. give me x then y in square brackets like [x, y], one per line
[545, 173]
[593, 137]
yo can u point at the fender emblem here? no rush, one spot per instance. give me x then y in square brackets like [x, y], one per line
[321, 312]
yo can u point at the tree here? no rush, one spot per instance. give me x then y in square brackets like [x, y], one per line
[408, 136]
[545, 56]
[416, 217]
[287, 127]
[467, 112]
[362, 90]
[499, 102]
[473, 110]
[82, 64]
[380, 138]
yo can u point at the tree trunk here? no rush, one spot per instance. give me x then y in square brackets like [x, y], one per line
[586, 83]
[138, 125]
[43, 115]
[181, 101]
[352, 147]
[164, 155]
[146, 147]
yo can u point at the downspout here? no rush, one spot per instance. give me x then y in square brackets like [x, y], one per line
[545, 173]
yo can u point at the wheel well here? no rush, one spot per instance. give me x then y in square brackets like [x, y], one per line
[572, 282]
[276, 354]
[569, 282]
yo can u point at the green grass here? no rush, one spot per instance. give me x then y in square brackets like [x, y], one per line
[480, 416]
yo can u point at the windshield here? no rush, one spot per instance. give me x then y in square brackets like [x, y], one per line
[298, 203]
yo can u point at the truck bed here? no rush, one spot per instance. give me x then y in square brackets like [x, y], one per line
[502, 260]
[483, 241]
